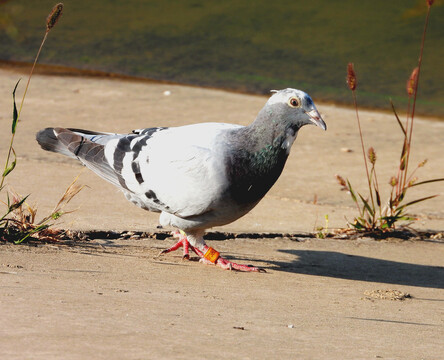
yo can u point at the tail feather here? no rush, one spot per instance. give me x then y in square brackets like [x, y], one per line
[88, 132]
[48, 141]
[79, 145]
[74, 145]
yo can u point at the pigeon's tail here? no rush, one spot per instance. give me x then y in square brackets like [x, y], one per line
[86, 146]
[48, 140]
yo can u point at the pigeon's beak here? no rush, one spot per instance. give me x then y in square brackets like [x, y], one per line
[316, 119]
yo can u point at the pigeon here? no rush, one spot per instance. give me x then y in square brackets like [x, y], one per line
[196, 176]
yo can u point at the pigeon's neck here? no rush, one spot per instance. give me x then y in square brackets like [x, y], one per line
[257, 157]
[270, 130]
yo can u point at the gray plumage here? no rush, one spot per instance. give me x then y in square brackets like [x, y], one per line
[197, 176]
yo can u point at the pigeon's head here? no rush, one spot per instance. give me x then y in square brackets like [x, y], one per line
[296, 108]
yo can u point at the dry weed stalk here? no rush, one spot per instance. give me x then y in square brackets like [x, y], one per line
[376, 216]
[18, 222]
[51, 20]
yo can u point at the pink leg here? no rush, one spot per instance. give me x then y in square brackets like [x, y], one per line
[226, 264]
[221, 262]
[183, 242]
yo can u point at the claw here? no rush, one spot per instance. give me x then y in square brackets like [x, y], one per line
[183, 242]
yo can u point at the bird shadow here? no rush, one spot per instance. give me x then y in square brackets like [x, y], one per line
[351, 267]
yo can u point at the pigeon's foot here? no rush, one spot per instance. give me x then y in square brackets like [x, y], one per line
[215, 259]
[208, 256]
[183, 242]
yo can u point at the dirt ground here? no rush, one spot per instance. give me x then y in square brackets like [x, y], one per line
[116, 299]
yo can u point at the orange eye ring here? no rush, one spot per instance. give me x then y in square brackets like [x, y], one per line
[294, 102]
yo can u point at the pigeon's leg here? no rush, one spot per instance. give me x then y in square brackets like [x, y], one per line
[208, 255]
[216, 259]
[183, 242]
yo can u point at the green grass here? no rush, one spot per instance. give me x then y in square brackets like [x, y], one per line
[245, 45]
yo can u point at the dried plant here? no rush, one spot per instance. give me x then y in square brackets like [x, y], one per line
[322, 231]
[372, 213]
[18, 222]
[54, 16]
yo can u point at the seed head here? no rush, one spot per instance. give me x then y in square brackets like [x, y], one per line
[341, 182]
[54, 16]
[411, 82]
[15, 199]
[393, 181]
[372, 155]
[411, 182]
[56, 215]
[430, 2]
[403, 162]
[351, 77]
[422, 163]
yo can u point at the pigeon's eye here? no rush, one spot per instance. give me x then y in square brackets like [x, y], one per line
[294, 102]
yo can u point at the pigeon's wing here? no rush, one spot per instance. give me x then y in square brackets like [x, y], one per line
[177, 170]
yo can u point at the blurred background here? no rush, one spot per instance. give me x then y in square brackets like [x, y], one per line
[249, 46]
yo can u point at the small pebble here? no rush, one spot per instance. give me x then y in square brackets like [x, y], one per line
[167, 93]
[344, 149]
[291, 326]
